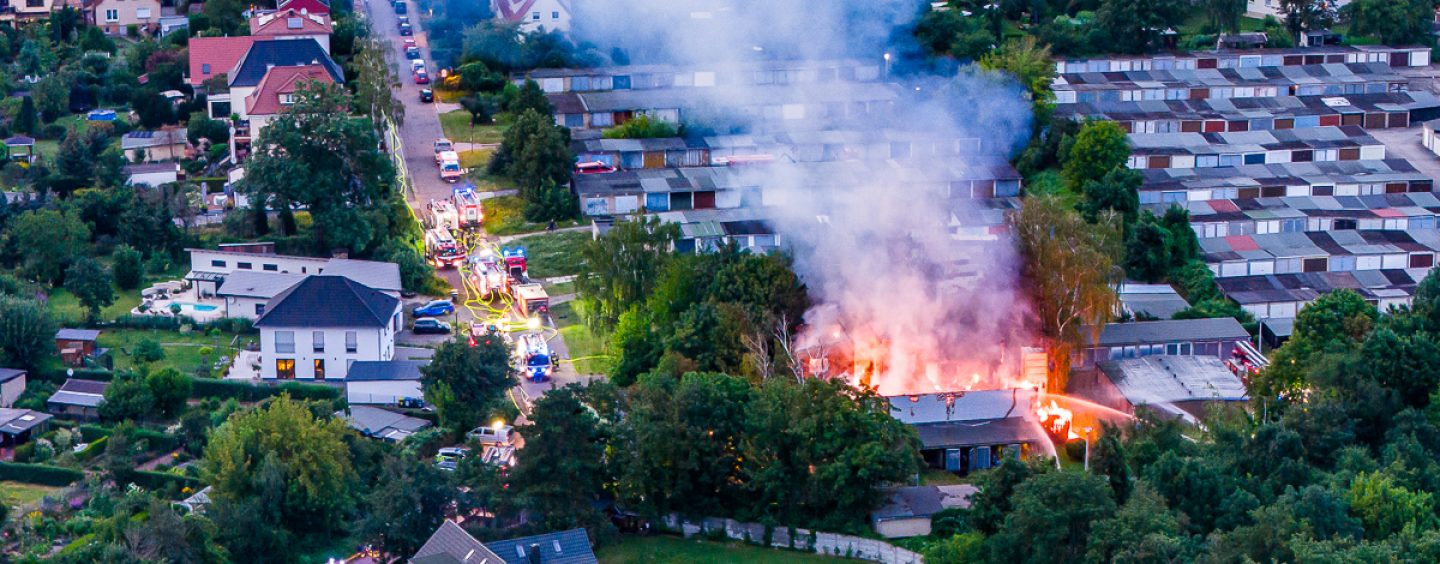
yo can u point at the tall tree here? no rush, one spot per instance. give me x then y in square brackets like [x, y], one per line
[170, 389]
[1395, 22]
[1052, 517]
[621, 268]
[1072, 269]
[562, 473]
[1101, 146]
[48, 241]
[27, 333]
[27, 121]
[406, 505]
[375, 88]
[1223, 16]
[1138, 26]
[90, 283]
[1307, 15]
[317, 478]
[464, 382]
[129, 267]
[535, 152]
[1029, 62]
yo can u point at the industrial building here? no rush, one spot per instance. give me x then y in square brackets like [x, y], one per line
[967, 431]
[1177, 386]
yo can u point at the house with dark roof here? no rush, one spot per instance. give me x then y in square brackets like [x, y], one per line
[907, 511]
[292, 23]
[78, 398]
[966, 431]
[450, 544]
[383, 381]
[17, 426]
[12, 384]
[560, 547]
[259, 60]
[381, 424]
[317, 328]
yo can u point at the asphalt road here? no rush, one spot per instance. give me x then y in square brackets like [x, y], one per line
[421, 128]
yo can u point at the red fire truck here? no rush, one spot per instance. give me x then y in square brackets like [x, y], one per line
[442, 249]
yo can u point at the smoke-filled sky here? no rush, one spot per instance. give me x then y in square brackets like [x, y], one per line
[875, 246]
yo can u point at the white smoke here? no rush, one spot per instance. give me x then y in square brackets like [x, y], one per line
[897, 266]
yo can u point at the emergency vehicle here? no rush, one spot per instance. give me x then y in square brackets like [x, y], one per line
[515, 263]
[443, 216]
[488, 277]
[450, 166]
[442, 249]
[531, 300]
[468, 209]
[533, 357]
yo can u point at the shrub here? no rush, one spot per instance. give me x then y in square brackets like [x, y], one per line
[42, 474]
[164, 481]
[244, 391]
[149, 350]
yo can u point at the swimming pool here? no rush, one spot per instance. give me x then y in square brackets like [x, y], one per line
[197, 307]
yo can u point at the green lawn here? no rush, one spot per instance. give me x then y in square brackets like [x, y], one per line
[67, 311]
[506, 216]
[15, 494]
[662, 549]
[933, 477]
[477, 159]
[182, 350]
[457, 128]
[587, 349]
[554, 254]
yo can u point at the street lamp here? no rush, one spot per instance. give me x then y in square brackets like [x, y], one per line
[887, 64]
[1087, 449]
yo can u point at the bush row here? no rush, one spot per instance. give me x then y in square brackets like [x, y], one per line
[42, 474]
[164, 481]
[244, 391]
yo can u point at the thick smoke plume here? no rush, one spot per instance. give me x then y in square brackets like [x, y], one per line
[913, 290]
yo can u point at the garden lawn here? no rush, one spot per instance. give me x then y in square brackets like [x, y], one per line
[476, 160]
[182, 350]
[16, 494]
[505, 215]
[587, 349]
[554, 254]
[661, 549]
[457, 128]
[67, 310]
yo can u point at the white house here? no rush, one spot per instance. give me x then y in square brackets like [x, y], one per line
[316, 329]
[383, 382]
[553, 15]
[210, 270]
[1262, 8]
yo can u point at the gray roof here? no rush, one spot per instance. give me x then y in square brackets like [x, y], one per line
[980, 405]
[263, 55]
[257, 284]
[329, 301]
[380, 423]
[563, 547]
[958, 434]
[84, 393]
[151, 168]
[386, 370]
[923, 501]
[451, 540]
[8, 374]
[144, 139]
[77, 334]
[379, 275]
[1218, 329]
[1167, 379]
[1159, 300]
[16, 421]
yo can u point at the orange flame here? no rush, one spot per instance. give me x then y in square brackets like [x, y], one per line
[1056, 420]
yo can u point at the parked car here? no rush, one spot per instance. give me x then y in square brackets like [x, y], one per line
[434, 308]
[427, 95]
[422, 77]
[412, 52]
[442, 145]
[405, 29]
[400, 8]
[417, 65]
[411, 403]
[449, 458]
[492, 435]
[431, 326]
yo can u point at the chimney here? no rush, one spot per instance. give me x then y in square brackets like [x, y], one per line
[534, 555]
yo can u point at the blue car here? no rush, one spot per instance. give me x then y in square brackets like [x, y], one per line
[434, 309]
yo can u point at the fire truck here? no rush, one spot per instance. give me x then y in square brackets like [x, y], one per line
[442, 249]
[468, 209]
[515, 264]
[533, 357]
[488, 277]
[531, 300]
[443, 216]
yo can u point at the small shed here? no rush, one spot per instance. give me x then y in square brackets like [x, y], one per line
[383, 382]
[17, 426]
[153, 174]
[20, 149]
[907, 511]
[12, 384]
[78, 398]
[76, 345]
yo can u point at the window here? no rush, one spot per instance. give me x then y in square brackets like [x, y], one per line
[34, 3]
[218, 263]
[142, 13]
[317, 341]
[554, 15]
[319, 369]
[285, 341]
[259, 310]
[535, 16]
[244, 265]
[271, 267]
[285, 368]
[287, 99]
[112, 15]
[352, 342]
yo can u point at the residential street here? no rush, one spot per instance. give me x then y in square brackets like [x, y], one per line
[421, 128]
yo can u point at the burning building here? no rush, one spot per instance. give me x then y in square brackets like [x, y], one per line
[968, 431]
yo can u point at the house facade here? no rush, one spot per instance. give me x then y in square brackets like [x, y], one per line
[291, 23]
[116, 16]
[12, 384]
[316, 329]
[531, 15]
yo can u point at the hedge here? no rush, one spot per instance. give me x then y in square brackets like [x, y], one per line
[89, 432]
[42, 474]
[94, 449]
[244, 391]
[163, 480]
[157, 440]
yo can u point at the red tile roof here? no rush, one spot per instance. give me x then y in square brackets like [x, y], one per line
[214, 56]
[282, 80]
[1242, 243]
[290, 22]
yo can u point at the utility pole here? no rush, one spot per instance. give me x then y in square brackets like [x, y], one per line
[1087, 449]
